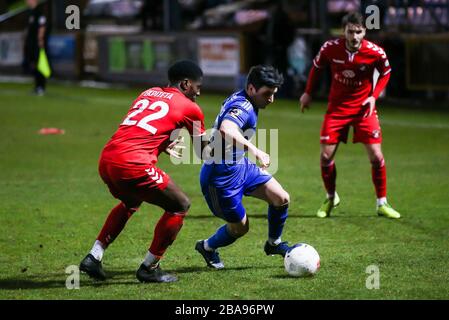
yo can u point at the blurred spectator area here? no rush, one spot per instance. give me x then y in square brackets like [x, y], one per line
[286, 33]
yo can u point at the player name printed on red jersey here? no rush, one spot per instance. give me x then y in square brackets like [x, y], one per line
[157, 94]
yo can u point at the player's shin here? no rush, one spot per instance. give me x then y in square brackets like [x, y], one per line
[165, 234]
[379, 176]
[112, 227]
[276, 220]
[221, 238]
[329, 176]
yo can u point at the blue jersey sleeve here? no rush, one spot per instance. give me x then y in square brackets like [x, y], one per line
[237, 115]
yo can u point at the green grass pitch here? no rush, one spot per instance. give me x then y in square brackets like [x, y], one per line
[53, 203]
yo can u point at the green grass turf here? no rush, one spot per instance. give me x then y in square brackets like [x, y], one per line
[53, 204]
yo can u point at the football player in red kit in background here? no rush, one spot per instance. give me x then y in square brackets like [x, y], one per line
[128, 166]
[352, 102]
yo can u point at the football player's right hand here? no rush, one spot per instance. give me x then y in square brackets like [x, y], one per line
[370, 104]
[305, 101]
[174, 149]
[263, 158]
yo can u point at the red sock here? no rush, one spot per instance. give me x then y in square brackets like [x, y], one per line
[329, 175]
[114, 224]
[379, 175]
[166, 231]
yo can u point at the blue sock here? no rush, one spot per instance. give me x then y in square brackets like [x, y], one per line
[276, 221]
[221, 238]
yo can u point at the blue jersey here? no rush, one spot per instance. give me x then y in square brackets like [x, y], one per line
[230, 176]
[238, 109]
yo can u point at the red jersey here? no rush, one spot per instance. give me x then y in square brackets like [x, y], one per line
[352, 73]
[146, 130]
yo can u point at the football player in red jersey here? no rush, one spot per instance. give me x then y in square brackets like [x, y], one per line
[352, 102]
[128, 166]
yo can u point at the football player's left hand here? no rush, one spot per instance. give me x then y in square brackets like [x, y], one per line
[174, 149]
[370, 103]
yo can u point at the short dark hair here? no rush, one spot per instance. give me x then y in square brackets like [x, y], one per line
[264, 75]
[354, 18]
[183, 69]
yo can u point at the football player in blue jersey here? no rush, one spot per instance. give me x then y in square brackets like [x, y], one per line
[228, 174]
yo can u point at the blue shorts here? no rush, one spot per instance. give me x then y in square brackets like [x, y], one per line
[223, 187]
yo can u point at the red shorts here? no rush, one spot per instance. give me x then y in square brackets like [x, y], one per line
[133, 184]
[335, 129]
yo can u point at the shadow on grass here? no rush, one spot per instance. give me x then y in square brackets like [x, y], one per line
[251, 216]
[290, 278]
[184, 270]
[15, 284]
[115, 277]
[339, 215]
[30, 284]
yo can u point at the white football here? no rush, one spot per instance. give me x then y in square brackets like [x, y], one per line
[302, 261]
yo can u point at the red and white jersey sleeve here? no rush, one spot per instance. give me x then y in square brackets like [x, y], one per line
[193, 120]
[382, 64]
[322, 58]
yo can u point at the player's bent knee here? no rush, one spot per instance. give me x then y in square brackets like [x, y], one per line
[179, 205]
[281, 200]
[132, 207]
[238, 230]
[325, 159]
[377, 161]
[285, 199]
[185, 204]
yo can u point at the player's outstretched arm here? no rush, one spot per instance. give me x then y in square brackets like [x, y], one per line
[306, 97]
[231, 133]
